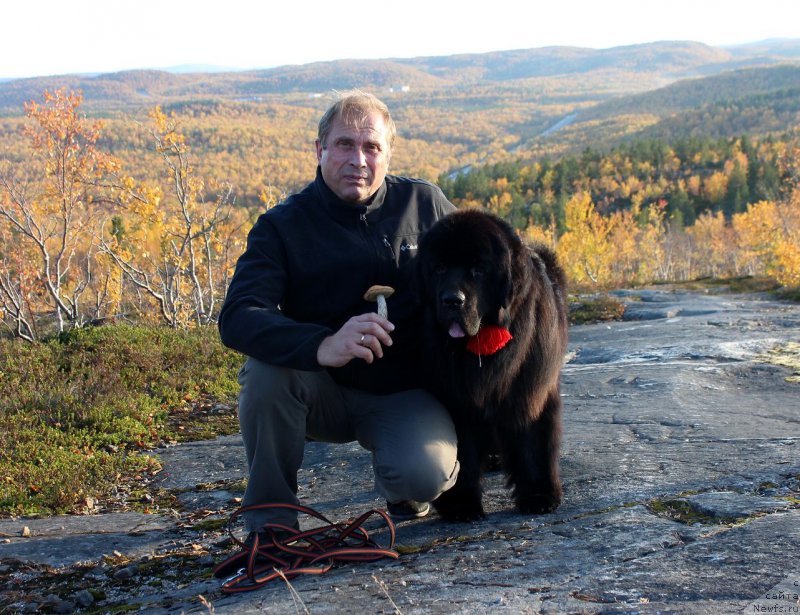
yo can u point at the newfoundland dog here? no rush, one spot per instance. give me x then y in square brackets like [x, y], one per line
[495, 336]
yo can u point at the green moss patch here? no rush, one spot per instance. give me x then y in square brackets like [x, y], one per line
[785, 355]
[601, 308]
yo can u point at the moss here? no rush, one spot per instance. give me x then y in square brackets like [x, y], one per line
[785, 355]
[120, 608]
[601, 308]
[235, 485]
[210, 525]
[682, 511]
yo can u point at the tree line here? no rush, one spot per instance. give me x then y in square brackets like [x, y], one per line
[652, 211]
[87, 235]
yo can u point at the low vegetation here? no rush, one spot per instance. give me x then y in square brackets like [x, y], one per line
[78, 412]
[592, 309]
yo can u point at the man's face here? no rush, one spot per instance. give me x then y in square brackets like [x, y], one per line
[354, 159]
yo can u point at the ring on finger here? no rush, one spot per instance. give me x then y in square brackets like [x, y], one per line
[361, 341]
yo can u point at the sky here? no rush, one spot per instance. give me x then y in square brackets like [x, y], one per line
[51, 37]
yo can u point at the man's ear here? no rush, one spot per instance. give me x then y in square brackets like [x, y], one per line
[319, 148]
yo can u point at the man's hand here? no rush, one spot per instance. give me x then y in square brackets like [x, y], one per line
[361, 337]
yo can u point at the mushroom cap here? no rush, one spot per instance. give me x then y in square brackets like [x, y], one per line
[373, 292]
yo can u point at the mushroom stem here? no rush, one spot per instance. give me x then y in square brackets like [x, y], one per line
[382, 309]
[379, 293]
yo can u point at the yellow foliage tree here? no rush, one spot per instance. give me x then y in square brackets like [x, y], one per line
[715, 186]
[540, 234]
[757, 233]
[53, 205]
[624, 239]
[788, 248]
[656, 257]
[712, 245]
[173, 246]
[585, 249]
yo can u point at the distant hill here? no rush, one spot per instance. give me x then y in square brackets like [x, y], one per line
[453, 111]
[750, 100]
[654, 64]
[668, 58]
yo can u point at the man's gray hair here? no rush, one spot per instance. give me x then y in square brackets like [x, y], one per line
[352, 107]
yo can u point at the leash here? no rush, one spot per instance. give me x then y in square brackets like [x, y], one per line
[287, 552]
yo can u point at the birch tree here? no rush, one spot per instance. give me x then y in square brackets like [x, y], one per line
[50, 207]
[170, 243]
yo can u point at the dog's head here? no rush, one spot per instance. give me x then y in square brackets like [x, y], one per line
[466, 270]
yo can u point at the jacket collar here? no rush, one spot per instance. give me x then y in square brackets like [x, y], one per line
[344, 209]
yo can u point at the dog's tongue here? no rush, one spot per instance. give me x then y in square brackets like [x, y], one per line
[456, 330]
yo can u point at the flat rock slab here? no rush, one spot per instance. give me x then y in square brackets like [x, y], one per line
[681, 469]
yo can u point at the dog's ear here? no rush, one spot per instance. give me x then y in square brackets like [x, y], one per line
[513, 279]
[503, 285]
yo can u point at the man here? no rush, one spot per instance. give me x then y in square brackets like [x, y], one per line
[321, 363]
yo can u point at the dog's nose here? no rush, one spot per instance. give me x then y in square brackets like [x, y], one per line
[454, 299]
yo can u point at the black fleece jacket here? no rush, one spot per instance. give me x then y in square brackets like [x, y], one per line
[307, 265]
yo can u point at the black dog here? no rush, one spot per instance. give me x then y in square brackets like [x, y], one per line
[495, 335]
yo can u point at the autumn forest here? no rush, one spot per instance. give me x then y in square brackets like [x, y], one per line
[116, 204]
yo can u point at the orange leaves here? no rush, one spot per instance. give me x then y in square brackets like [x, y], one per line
[168, 139]
[177, 244]
[55, 212]
[768, 236]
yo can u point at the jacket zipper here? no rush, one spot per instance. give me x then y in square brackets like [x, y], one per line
[389, 245]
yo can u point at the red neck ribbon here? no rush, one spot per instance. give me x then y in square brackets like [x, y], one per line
[488, 340]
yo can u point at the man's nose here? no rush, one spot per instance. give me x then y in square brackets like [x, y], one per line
[358, 157]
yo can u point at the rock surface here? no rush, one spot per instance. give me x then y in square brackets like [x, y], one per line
[681, 468]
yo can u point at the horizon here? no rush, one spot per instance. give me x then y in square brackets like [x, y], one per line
[199, 68]
[242, 37]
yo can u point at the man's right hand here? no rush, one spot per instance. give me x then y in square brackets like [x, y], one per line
[361, 337]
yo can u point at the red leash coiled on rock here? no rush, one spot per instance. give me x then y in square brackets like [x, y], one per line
[290, 552]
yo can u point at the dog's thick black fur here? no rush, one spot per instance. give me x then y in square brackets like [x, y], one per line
[474, 272]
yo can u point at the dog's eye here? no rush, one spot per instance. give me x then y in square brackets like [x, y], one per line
[440, 269]
[477, 272]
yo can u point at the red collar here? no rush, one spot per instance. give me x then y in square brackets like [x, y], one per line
[488, 340]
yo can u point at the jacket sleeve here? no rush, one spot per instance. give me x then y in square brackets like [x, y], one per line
[251, 320]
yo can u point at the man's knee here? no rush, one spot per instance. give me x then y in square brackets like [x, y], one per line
[421, 475]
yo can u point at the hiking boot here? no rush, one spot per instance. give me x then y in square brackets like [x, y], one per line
[407, 509]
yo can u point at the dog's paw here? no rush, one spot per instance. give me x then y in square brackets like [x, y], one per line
[459, 506]
[538, 503]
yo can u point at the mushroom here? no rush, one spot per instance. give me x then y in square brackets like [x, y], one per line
[380, 294]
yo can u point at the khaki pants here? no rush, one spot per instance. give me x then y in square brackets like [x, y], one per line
[410, 435]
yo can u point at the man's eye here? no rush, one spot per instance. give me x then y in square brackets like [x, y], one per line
[440, 269]
[477, 272]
